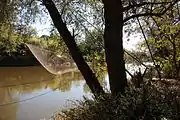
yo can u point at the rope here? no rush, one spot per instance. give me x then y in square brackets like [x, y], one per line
[5, 104]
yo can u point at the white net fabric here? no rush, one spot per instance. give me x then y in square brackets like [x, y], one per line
[51, 62]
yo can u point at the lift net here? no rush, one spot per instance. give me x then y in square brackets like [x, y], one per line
[50, 61]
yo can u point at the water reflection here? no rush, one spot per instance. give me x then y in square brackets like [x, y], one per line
[20, 84]
[24, 83]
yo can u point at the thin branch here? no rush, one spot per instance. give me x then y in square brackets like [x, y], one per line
[85, 27]
[129, 73]
[135, 58]
[143, 4]
[87, 21]
[141, 15]
[64, 7]
[159, 74]
[178, 9]
[150, 14]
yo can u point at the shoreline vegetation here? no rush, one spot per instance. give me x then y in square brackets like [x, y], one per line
[18, 61]
[154, 100]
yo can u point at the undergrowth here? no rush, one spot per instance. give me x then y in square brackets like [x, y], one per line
[146, 103]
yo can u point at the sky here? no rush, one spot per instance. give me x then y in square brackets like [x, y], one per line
[44, 26]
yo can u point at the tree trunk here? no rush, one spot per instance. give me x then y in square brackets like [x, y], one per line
[113, 41]
[87, 73]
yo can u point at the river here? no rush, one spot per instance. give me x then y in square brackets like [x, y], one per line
[32, 93]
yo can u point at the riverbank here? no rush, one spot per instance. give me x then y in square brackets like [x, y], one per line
[151, 101]
[9, 61]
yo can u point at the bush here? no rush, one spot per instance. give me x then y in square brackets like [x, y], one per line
[147, 103]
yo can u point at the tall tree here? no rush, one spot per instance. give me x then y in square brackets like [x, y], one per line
[113, 42]
[116, 14]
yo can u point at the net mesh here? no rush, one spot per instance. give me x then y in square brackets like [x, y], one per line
[51, 62]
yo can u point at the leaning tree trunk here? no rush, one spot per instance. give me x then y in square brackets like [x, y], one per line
[113, 41]
[69, 40]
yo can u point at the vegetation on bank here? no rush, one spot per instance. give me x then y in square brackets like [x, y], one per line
[150, 102]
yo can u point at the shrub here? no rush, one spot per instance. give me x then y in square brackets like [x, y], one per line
[147, 103]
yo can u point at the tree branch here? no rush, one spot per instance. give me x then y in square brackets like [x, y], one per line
[143, 4]
[152, 57]
[135, 58]
[150, 14]
[141, 15]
